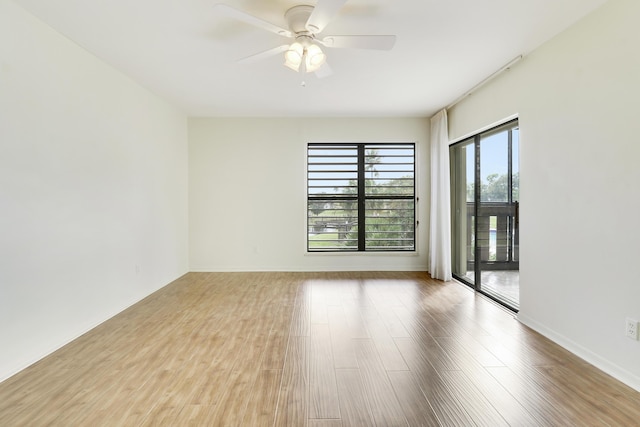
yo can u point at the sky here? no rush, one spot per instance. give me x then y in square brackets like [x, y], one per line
[493, 155]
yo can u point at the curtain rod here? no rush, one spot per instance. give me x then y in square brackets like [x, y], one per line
[505, 67]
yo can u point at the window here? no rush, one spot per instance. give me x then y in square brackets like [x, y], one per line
[360, 197]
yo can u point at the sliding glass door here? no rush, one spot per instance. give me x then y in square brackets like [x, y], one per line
[463, 157]
[485, 196]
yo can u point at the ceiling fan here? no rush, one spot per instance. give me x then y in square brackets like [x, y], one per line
[305, 25]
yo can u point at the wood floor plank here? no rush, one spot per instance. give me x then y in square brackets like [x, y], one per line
[209, 390]
[512, 351]
[318, 303]
[473, 366]
[325, 423]
[293, 397]
[431, 351]
[416, 408]
[561, 401]
[323, 391]
[234, 399]
[195, 416]
[354, 408]
[302, 312]
[276, 346]
[342, 340]
[244, 374]
[384, 343]
[444, 403]
[385, 300]
[355, 324]
[385, 408]
[614, 393]
[314, 349]
[532, 397]
[472, 400]
[584, 393]
[36, 411]
[27, 395]
[421, 322]
[263, 399]
[553, 353]
[465, 349]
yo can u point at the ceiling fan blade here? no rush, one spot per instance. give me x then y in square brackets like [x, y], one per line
[360, 42]
[322, 13]
[251, 20]
[263, 55]
[324, 71]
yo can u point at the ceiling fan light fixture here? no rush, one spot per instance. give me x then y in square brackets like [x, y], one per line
[314, 58]
[304, 25]
[293, 56]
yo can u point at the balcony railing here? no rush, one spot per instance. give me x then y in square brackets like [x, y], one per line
[497, 237]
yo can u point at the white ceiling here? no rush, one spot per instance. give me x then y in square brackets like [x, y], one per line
[186, 51]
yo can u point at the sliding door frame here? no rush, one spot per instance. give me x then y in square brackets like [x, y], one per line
[477, 249]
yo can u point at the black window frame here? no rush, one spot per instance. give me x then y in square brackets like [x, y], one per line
[363, 200]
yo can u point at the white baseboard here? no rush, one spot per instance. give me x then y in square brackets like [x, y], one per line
[596, 360]
[235, 269]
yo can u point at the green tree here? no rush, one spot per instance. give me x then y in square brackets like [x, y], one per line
[389, 221]
[317, 207]
[495, 188]
[371, 159]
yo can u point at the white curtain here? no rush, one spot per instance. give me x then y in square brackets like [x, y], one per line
[440, 226]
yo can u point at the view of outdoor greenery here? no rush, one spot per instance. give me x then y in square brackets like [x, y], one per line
[388, 208]
[495, 188]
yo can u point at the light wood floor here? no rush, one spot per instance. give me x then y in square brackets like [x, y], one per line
[314, 349]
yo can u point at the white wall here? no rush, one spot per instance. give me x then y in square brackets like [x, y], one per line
[577, 99]
[247, 192]
[93, 191]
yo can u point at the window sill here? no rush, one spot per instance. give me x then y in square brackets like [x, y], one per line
[372, 253]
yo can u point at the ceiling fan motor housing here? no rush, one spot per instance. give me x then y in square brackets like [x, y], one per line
[297, 18]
